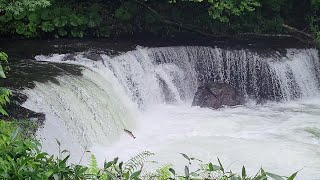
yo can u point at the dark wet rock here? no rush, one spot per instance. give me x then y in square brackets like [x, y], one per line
[16, 111]
[94, 55]
[216, 95]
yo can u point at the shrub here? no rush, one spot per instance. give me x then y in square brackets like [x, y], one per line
[4, 93]
[57, 20]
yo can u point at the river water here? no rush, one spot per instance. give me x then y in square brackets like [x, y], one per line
[149, 92]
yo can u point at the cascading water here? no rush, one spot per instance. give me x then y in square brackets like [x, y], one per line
[149, 91]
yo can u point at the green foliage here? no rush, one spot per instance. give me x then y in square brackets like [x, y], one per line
[19, 7]
[6, 17]
[96, 18]
[4, 93]
[137, 161]
[71, 18]
[222, 10]
[131, 170]
[165, 172]
[3, 66]
[58, 20]
[315, 21]
[21, 158]
[211, 171]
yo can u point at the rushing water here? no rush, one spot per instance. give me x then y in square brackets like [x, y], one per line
[149, 92]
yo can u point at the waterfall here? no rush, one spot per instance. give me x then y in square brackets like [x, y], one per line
[151, 75]
[96, 107]
[91, 108]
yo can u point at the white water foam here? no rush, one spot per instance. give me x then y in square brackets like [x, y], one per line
[275, 136]
[148, 91]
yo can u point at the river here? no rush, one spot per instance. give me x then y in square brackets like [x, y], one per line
[149, 90]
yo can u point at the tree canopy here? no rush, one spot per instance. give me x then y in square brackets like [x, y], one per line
[19, 6]
[105, 18]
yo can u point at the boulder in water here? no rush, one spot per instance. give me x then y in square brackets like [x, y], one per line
[216, 95]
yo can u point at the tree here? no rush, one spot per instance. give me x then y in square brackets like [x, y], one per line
[223, 9]
[18, 6]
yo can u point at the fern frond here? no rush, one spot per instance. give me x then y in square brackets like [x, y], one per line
[137, 161]
[93, 167]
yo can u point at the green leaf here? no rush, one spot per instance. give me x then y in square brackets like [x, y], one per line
[6, 17]
[60, 21]
[210, 167]
[107, 164]
[32, 27]
[15, 134]
[221, 167]
[3, 112]
[20, 15]
[34, 17]
[21, 29]
[293, 176]
[3, 56]
[115, 160]
[46, 15]
[135, 174]
[49, 173]
[58, 142]
[64, 151]
[62, 32]
[244, 174]
[2, 74]
[76, 33]
[213, 167]
[172, 171]
[47, 26]
[76, 20]
[63, 162]
[185, 156]
[120, 165]
[186, 171]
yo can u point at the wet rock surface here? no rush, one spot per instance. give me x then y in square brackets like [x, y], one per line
[16, 111]
[217, 95]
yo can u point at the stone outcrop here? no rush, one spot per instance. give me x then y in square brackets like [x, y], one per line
[217, 95]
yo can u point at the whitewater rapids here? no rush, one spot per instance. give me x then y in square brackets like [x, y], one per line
[149, 92]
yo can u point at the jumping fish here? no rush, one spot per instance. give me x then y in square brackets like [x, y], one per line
[130, 133]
